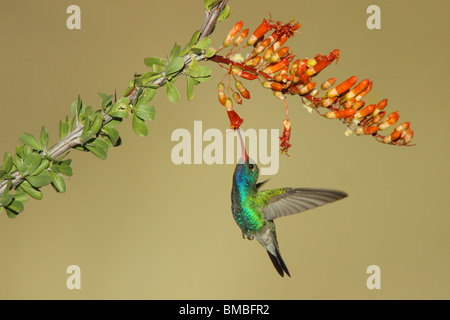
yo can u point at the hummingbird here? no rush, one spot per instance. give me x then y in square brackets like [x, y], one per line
[255, 210]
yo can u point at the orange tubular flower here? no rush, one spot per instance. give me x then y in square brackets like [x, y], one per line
[237, 98]
[279, 54]
[366, 130]
[360, 87]
[307, 88]
[285, 145]
[244, 92]
[365, 111]
[340, 114]
[243, 74]
[328, 102]
[392, 137]
[277, 66]
[233, 32]
[260, 47]
[319, 66]
[341, 88]
[391, 119]
[403, 127]
[280, 42]
[349, 103]
[222, 96]
[241, 37]
[327, 84]
[235, 120]
[259, 32]
[407, 138]
[270, 61]
[377, 118]
[380, 106]
[254, 62]
[273, 85]
[366, 91]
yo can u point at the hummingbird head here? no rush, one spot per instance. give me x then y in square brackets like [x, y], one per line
[246, 170]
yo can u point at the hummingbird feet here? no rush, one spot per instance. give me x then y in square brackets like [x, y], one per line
[248, 235]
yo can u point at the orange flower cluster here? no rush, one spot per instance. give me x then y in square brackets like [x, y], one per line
[274, 66]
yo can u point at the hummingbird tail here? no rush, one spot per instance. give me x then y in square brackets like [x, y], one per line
[278, 262]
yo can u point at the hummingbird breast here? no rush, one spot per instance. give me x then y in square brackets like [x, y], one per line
[247, 214]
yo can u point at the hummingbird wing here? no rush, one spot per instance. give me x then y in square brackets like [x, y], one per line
[291, 201]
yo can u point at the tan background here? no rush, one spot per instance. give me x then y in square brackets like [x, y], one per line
[141, 227]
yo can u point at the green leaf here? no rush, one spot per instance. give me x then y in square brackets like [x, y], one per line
[92, 128]
[65, 169]
[190, 88]
[77, 107]
[17, 161]
[106, 99]
[7, 162]
[194, 68]
[202, 79]
[8, 187]
[112, 134]
[174, 52]
[39, 180]
[129, 89]
[196, 50]
[27, 150]
[43, 165]
[205, 71]
[151, 61]
[209, 4]
[120, 109]
[210, 52]
[44, 136]
[200, 73]
[172, 93]
[63, 129]
[25, 186]
[89, 113]
[147, 95]
[175, 65]
[157, 64]
[224, 14]
[6, 199]
[30, 140]
[73, 108]
[148, 77]
[80, 106]
[144, 111]
[191, 43]
[203, 43]
[14, 208]
[10, 213]
[194, 38]
[139, 126]
[70, 122]
[30, 163]
[21, 196]
[19, 151]
[112, 123]
[58, 182]
[98, 147]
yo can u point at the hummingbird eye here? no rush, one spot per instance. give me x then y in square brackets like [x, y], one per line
[251, 166]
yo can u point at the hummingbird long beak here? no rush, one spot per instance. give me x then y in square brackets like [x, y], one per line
[244, 153]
